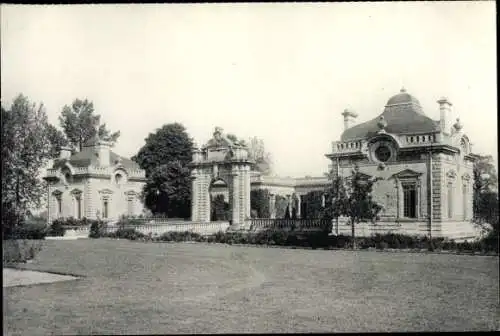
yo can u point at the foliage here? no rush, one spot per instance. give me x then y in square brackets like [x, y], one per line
[181, 237]
[168, 190]
[281, 205]
[485, 175]
[351, 197]
[169, 143]
[258, 153]
[19, 250]
[57, 140]
[27, 231]
[259, 201]
[126, 233]
[97, 229]
[25, 150]
[313, 204]
[56, 229]
[219, 208]
[79, 122]
[485, 203]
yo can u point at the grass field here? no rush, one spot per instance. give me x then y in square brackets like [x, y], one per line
[137, 288]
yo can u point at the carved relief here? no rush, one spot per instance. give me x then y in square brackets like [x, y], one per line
[451, 174]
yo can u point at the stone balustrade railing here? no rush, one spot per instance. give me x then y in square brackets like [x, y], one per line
[257, 224]
[345, 147]
[421, 139]
[96, 170]
[157, 229]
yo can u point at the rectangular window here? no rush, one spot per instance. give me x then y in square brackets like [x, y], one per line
[78, 207]
[105, 208]
[410, 200]
[450, 200]
[59, 206]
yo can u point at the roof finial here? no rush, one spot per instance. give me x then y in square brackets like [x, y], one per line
[403, 90]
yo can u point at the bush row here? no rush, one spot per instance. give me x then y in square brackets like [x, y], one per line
[19, 250]
[316, 240]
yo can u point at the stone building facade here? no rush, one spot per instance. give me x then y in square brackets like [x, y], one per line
[94, 183]
[425, 166]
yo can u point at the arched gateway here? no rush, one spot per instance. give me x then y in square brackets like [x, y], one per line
[221, 161]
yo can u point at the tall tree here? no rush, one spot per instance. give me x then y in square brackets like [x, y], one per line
[57, 140]
[164, 157]
[168, 190]
[79, 124]
[351, 197]
[25, 150]
[169, 143]
[259, 201]
[258, 153]
[485, 175]
[485, 198]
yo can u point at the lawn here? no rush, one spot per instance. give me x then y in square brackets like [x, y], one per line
[138, 288]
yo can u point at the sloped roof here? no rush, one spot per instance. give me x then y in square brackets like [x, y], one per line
[402, 113]
[87, 158]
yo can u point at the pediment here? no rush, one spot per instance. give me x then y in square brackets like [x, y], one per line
[57, 193]
[76, 191]
[106, 191]
[407, 173]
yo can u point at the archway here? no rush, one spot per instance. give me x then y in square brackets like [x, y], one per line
[220, 207]
[221, 160]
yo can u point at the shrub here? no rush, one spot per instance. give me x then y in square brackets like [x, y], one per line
[98, 229]
[20, 250]
[130, 234]
[56, 229]
[27, 231]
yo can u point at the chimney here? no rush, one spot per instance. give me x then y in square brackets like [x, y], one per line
[65, 153]
[445, 115]
[349, 118]
[101, 148]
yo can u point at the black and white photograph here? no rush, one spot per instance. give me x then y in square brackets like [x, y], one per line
[249, 168]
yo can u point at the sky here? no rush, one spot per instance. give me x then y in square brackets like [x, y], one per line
[283, 72]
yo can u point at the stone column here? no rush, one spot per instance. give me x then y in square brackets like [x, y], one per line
[247, 192]
[299, 204]
[235, 196]
[194, 196]
[290, 205]
[272, 205]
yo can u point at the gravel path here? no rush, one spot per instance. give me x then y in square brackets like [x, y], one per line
[15, 277]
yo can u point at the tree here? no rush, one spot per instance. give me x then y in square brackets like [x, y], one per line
[25, 150]
[351, 197]
[219, 208]
[79, 123]
[168, 190]
[257, 152]
[259, 201]
[313, 204]
[57, 141]
[169, 143]
[485, 181]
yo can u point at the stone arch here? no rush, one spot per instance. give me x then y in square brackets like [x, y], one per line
[220, 162]
[119, 176]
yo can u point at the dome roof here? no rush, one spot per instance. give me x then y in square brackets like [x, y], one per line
[402, 98]
[402, 114]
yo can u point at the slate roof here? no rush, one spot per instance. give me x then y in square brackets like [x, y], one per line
[87, 158]
[403, 115]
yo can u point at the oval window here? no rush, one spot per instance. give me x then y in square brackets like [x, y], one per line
[383, 153]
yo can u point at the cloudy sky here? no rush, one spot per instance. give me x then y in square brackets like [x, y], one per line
[282, 72]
